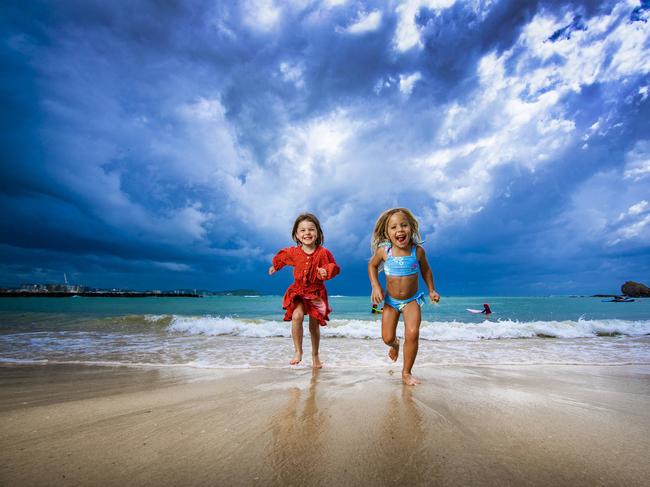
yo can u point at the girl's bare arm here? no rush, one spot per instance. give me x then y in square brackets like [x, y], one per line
[427, 275]
[376, 295]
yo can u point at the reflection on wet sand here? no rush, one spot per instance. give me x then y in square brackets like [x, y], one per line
[399, 450]
[297, 436]
[487, 426]
[370, 440]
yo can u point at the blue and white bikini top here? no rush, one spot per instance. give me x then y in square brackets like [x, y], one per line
[401, 266]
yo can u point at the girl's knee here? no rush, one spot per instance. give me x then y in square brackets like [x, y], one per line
[298, 314]
[388, 339]
[411, 334]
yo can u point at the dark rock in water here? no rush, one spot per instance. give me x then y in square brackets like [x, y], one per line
[635, 289]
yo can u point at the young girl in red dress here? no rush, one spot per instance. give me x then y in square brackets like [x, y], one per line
[312, 265]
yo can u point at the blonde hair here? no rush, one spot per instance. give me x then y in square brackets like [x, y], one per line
[380, 233]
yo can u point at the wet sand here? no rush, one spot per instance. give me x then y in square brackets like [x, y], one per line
[506, 425]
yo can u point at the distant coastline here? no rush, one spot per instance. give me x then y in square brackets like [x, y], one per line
[232, 292]
[115, 293]
[97, 294]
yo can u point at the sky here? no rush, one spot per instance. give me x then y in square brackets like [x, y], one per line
[171, 144]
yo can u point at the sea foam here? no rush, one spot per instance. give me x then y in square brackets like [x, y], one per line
[214, 326]
[429, 330]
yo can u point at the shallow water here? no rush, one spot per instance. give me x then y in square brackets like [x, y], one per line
[244, 332]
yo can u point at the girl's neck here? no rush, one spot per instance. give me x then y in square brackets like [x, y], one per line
[308, 249]
[406, 251]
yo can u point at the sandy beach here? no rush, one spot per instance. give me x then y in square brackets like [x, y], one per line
[505, 425]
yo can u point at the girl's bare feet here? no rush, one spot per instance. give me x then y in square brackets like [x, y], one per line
[393, 353]
[409, 380]
[297, 358]
[315, 362]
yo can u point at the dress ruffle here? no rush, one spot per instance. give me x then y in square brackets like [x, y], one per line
[314, 302]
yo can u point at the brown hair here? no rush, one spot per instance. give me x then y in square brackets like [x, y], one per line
[380, 233]
[312, 218]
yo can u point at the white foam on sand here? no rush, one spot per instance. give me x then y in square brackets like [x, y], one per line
[434, 331]
[230, 342]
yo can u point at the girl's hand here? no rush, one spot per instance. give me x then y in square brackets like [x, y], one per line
[434, 296]
[376, 296]
[322, 272]
[271, 270]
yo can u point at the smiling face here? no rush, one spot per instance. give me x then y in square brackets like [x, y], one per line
[306, 233]
[399, 230]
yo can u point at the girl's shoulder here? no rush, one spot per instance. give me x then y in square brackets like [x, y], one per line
[289, 250]
[323, 250]
[419, 250]
[383, 247]
[382, 250]
[284, 249]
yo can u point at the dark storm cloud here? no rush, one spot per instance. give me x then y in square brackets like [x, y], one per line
[177, 140]
[565, 32]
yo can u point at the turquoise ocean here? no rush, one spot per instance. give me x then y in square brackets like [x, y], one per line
[248, 332]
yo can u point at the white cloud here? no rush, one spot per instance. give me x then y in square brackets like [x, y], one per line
[633, 224]
[383, 83]
[367, 22]
[261, 15]
[517, 116]
[204, 110]
[643, 91]
[407, 83]
[320, 139]
[637, 161]
[638, 208]
[606, 50]
[310, 160]
[186, 224]
[173, 266]
[293, 73]
[604, 212]
[515, 119]
[210, 145]
[407, 34]
[637, 228]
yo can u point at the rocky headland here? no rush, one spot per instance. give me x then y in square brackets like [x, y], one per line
[635, 290]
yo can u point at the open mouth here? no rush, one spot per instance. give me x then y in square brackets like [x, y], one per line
[400, 238]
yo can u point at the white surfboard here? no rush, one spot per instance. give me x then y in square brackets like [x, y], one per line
[475, 311]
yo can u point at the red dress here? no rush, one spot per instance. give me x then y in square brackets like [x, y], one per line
[308, 286]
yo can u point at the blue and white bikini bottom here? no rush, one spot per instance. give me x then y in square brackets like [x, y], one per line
[399, 304]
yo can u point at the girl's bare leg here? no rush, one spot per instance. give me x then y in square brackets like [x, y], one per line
[412, 318]
[389, 319]
[296, 332]
[314, 332]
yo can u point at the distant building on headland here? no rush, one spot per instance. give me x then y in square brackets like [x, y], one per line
[68, 290]
[50, 288]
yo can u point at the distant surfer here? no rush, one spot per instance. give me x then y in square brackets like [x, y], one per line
[485, 311]
[622, 299]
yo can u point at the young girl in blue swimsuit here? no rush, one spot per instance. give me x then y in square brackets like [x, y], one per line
[397, 251]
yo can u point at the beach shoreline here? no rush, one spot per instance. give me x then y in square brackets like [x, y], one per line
[479, 425]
